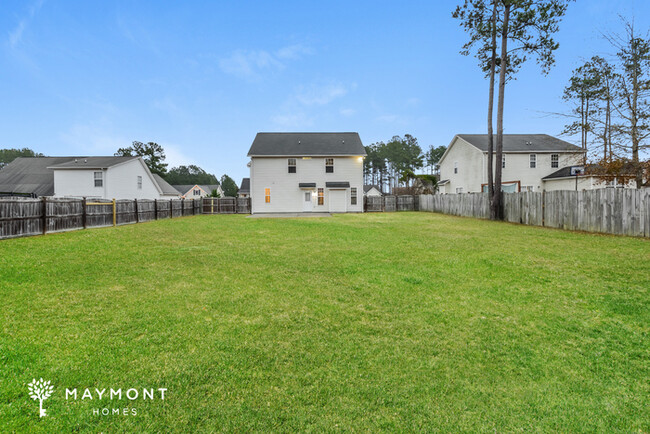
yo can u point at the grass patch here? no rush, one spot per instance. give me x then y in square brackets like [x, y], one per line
[398, 321]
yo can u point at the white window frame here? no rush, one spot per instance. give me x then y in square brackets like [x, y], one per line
[532, 161]
[455, 167]
[555, 161]
[503, 161]
[99, 178]
[329, 163]
[353, 196]
[459, 190]
[291, 163]
[139, 182]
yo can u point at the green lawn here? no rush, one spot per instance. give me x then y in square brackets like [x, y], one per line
[398, 321]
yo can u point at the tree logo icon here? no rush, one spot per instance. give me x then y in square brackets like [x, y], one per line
[40, 390]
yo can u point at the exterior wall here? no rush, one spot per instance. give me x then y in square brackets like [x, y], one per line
[286, 196]
[584, 183]
[518, 167]
[470, 167]
[120, 182]
[190, 193]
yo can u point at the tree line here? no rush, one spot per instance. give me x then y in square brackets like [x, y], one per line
[392, 164]
[610, 99]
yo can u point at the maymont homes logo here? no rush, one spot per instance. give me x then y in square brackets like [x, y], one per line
[41, 390]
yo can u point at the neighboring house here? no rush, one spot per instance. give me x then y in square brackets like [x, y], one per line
[371, 190]
[189, 191]
[245, 188]
[527, 159]
[98, 177]
[577, 178]
[305, 172]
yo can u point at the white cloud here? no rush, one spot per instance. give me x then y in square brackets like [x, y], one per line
[175, 156]
[319, 94]
[293, 51]
[293, 120]
[251, 63]
[16, 35]
[347, 112]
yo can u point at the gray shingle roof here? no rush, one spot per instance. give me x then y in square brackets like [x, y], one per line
[298, 144]
[367, 188]
[245, 186]
[185, 188]
[522, 143]
[30, 175]
[164, 185]
[91, 162]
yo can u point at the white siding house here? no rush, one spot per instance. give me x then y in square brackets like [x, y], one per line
[109, 178]
[306, 172]
[196, 191]
[527, 159]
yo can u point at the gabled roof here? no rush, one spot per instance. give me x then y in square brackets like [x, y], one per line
[367, 188]
[299, 144]
[185, 188]
[91, 162]
[245, 186]
[522, 143]
[30, 175]
[164, 185]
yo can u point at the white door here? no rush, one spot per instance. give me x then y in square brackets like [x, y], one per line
[306, 202]
[338, 200]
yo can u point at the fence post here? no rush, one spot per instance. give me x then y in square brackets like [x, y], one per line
[114, 213]
[212, 206]
[543, 207]
[182, 206]
[135, 205]
[155, 209]
[84, 212]
[171, 208]
[44, 215]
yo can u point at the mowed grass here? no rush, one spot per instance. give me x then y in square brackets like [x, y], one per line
[396, 322]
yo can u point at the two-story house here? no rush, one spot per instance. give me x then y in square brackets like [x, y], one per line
[527, 159]
[99, 177]
[306, 172]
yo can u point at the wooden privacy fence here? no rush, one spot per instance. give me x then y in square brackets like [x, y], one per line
[24, 217]
[390, 203]
[607, 210]
[227, 205]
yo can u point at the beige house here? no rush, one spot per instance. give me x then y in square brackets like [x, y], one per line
[527, 160]
[371, 190]
[189, 191]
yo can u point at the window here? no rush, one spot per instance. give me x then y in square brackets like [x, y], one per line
[533, 161]
[321, 196]
[329, 165]
[555, 160]
[456, 167]
[99, 179]
[267, 195]
[139, 182]
[196, 192]
[292, 165]
[353, 196]
[503, 162]
[526, 188]
[459, 189]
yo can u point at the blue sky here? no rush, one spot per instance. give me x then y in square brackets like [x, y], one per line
[202, 78]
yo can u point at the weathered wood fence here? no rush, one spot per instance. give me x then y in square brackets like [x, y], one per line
[21, 217]
[24, 217]
[390, 203]
[606, 210]
[227, 205]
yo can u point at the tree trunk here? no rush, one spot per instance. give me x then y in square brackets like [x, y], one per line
[490, 156]
[496, 211]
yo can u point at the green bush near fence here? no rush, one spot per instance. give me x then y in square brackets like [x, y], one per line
[373, 322]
